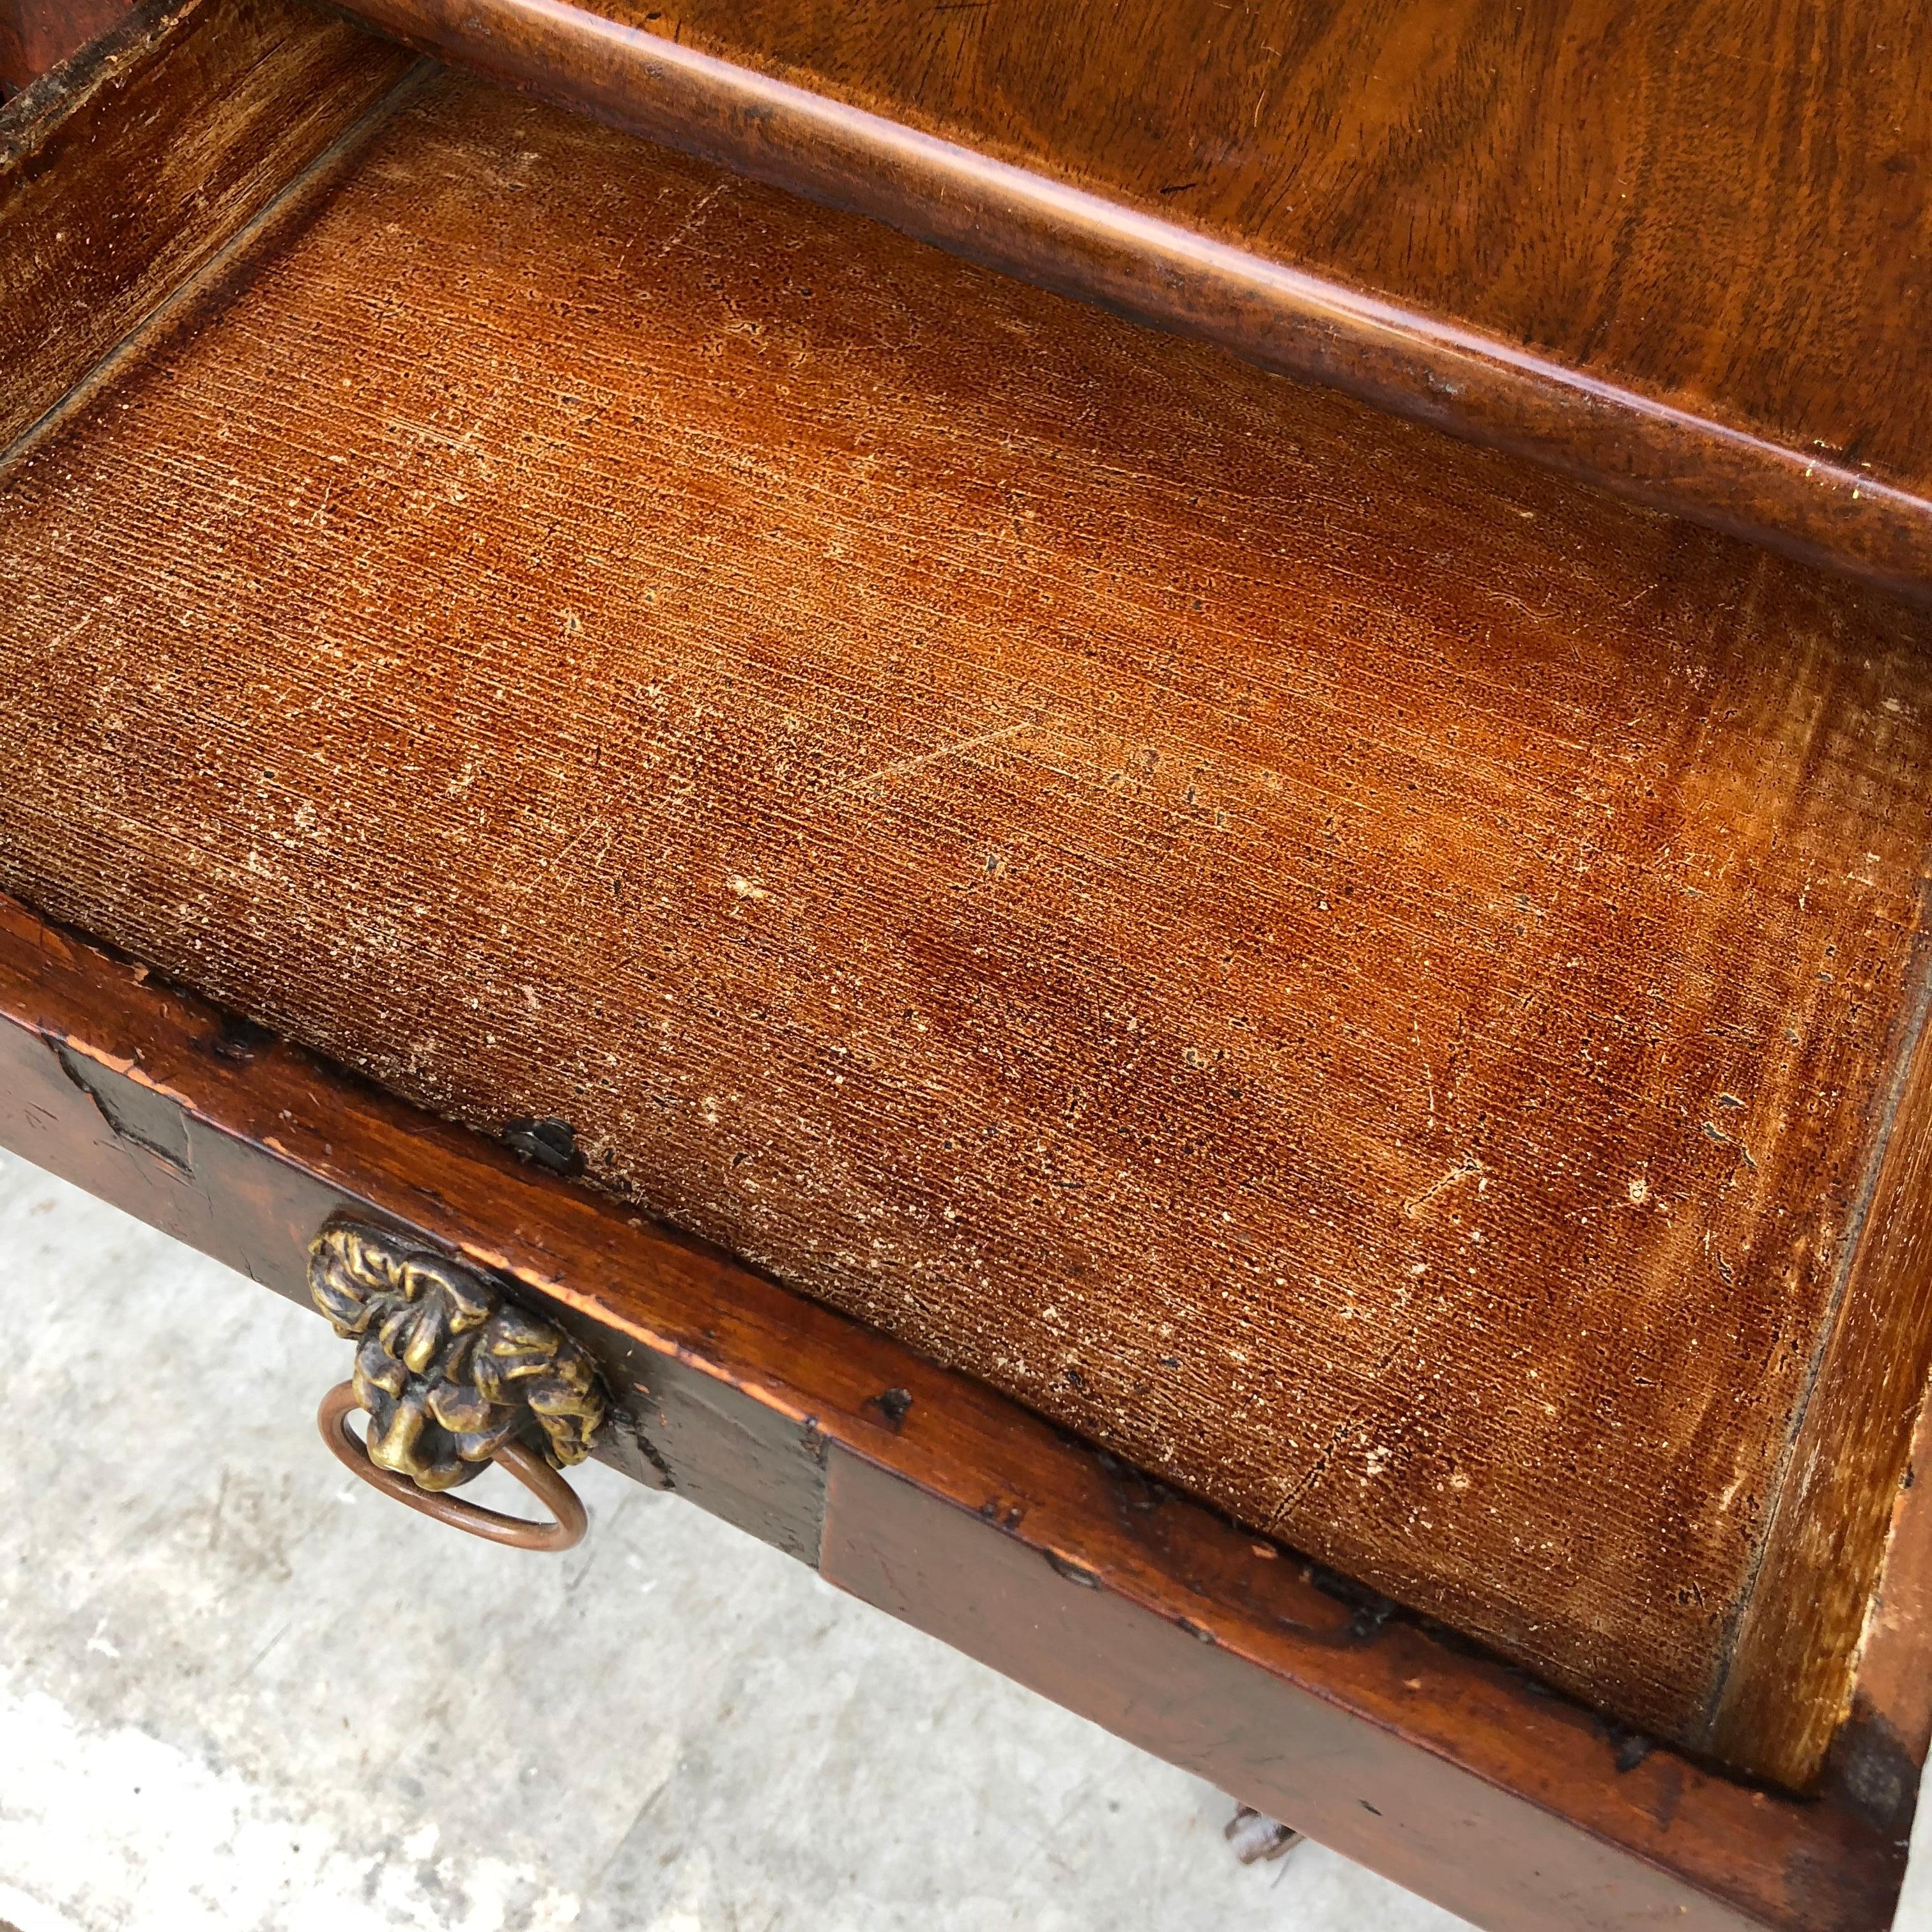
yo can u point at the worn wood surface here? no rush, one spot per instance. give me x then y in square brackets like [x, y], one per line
[1366, 978]
[37, 34]
[1880, 1751]
[1398, 1744]
[1785, 1691]
[1681, 250]
[128, 172]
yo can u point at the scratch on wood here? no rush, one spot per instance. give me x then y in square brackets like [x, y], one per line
[1467, 1169]
[693, 220]
[900, 766]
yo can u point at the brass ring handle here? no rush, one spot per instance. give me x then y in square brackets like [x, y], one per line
[451, 1375]
[535, 1474]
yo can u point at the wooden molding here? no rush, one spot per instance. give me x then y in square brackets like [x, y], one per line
[1051, 230]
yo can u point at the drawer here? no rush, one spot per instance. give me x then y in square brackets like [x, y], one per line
[1287, 1054]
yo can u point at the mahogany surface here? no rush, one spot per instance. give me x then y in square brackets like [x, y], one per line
[1392, 1740]
[176, 132]
[1322, 957]
[36, 35]
[1681, 248]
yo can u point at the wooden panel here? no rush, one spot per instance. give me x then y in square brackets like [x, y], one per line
[1321, 958]
[947, 1503]
[35, 34]
[1790, 1682]
[733, 1454]
[132, 169]
[1681, 250]
[1154, 1663]
[1881, 1749]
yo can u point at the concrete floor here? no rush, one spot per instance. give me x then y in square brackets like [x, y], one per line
[239, 1690]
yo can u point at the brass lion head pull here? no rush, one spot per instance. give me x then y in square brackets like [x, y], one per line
[452, 1377]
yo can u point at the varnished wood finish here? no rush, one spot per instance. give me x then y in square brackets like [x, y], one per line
[127, 173]
[1786, 1690]
[945, 1503]
[37, 34]
[1683, 251]
[1322, 957]
[1881, 1749]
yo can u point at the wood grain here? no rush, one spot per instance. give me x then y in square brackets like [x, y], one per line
[128, 172]
[37, 35]
[1400, 1744]
[1366, 978]
[1678, 249]
[1790, 1684]
[1124, 1633]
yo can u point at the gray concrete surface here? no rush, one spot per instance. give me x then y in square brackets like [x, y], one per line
[239, 1690]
